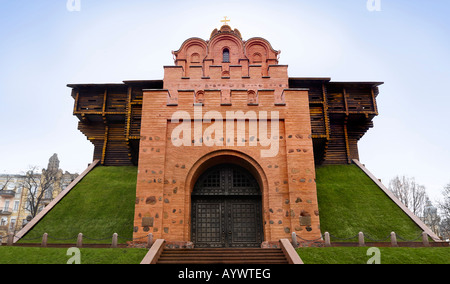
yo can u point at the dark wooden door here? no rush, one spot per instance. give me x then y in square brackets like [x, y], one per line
[226, 209]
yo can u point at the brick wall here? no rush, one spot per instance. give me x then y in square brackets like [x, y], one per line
[258, 95]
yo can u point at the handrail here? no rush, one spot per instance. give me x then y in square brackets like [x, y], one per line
[8, 192]
[154, 253]
[5, 210]
[290, 253]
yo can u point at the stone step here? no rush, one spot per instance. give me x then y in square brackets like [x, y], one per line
[222, 256]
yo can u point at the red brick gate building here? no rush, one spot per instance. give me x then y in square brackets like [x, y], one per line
[227, 143]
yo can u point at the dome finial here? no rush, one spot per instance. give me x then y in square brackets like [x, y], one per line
[225, 29]
[225, 21]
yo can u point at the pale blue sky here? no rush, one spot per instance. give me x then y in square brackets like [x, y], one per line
[43, 47]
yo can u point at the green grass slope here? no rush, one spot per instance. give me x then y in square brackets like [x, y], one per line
[99, 206]
[26, 255]
[350, 202]
[103, 204]
[388, 255]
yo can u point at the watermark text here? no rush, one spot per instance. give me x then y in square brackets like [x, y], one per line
[376, 256]
[230, 130]
[76, 256]
[374, 5]
[73, 5]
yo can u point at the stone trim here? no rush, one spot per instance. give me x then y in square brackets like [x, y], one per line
[52, 204]
[290, 253]
[154, 253]
[405, 209]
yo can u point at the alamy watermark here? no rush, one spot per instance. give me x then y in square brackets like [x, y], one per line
[216, 135]
[374, 5]
[76, 256]
[376, 255]
[73, 5]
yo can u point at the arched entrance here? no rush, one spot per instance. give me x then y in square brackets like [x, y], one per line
[226, 208]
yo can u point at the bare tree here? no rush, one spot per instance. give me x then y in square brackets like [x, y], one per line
[410, 193]
[4, 186]
[431, 217]
[444, 206]
[38, 186]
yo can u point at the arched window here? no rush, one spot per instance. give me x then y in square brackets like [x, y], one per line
[226, 55]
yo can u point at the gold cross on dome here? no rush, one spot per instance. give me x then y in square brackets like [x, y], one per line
[225, 20]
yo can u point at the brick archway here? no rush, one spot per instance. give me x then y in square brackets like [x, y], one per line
[226, 208]
[226, 157]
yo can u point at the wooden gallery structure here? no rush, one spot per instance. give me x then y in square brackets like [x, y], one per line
[225, 194]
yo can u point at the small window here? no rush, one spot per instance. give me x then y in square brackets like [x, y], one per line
[226, 55]
[16, 206]
[6, 206]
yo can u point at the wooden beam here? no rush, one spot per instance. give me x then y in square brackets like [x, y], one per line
[104, 102]
[325, 111]
[374, 102]
[344, 94]
[105, 142]
[127, 133]
[75, 107]
[347, 146]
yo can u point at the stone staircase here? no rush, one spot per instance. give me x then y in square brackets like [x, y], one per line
[223, 256]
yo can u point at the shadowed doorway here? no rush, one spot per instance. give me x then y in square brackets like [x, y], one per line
[226, 208]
